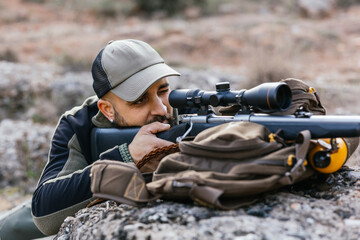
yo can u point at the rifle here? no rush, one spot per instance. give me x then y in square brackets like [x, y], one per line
[259, 105]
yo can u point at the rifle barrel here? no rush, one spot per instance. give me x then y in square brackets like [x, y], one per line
[320, 126]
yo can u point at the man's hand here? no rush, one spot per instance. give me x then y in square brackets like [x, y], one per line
[145, 140]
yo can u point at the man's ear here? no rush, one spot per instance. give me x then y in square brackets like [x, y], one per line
[106, 108]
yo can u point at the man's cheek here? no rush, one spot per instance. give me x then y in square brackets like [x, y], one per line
[169, 109]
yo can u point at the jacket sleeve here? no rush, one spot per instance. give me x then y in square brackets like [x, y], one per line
[64, 186]
[64, 183]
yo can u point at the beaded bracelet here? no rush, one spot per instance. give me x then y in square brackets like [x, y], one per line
[124, 152]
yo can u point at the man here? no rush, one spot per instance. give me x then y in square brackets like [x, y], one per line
[129, 79]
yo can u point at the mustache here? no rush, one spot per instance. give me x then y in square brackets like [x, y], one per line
[168, 117]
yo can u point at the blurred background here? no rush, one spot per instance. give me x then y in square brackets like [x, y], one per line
[47, 48]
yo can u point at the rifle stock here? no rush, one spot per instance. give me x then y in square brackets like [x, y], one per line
[103, 139]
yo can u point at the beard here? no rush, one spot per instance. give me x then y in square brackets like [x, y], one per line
[120, 121]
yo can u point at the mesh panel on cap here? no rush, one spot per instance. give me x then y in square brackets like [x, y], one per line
[101, 82]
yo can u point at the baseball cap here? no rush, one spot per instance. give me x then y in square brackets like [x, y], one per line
[128, 68]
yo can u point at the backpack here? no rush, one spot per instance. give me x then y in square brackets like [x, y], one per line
[231, 165]
[226, 166]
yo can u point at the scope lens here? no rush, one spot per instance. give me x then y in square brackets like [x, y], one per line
[283, 97]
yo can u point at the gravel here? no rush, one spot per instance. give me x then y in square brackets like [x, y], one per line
[322, 207]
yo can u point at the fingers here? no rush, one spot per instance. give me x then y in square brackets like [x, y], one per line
[162, 143]
[155, 127]
[145, 140]
[152, 129]
[144, 144]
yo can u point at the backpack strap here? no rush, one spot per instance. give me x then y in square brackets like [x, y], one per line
[302, 143]
[213, 197]
[151, 160]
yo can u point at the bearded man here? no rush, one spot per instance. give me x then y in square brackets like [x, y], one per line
[132, 89]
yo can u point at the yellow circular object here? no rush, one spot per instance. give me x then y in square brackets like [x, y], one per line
[337, 159]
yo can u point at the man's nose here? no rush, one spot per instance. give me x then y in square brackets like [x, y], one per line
[158, 108]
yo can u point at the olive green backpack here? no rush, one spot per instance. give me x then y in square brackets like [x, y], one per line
[231, 165]
[226, 166]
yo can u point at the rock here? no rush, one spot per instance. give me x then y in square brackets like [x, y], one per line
[40, 92]
[70, 90]
[316, 8]
[20, 83]
[295, 206]
[280, 215]
[259, 210]
[354, 175]
[353, 223]
[24, 148]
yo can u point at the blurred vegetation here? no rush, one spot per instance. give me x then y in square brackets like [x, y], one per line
[35, 1]
[8, 55]
[32, 163]
[269, 64]
[173, 8]
[71, 63]
[111, 8]
[347, 3]
[115, 8]
[170, 8]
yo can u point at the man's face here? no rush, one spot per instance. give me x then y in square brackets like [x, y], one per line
[150, 107]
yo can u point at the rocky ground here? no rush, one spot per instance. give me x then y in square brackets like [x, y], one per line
[47, 49]
[324, 207]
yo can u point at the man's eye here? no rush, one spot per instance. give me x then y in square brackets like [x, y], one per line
[164, 91]
[140, 101]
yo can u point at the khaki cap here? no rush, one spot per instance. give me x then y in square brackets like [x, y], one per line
[128, 68]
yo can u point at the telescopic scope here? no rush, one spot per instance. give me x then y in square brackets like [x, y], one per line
[267, 97]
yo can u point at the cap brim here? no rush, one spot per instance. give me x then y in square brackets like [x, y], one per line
[136, 85]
